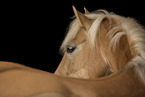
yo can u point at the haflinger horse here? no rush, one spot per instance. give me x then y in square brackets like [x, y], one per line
[104, 56]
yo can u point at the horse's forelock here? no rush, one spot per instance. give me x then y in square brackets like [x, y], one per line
[72, 32]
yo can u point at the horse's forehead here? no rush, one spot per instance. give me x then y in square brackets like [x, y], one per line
[80, 37]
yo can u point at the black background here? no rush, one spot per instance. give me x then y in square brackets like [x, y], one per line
[32, 32]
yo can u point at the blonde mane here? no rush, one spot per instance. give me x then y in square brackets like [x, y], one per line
[128, 26]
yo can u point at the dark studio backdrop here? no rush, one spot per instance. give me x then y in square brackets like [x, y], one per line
[32, 32]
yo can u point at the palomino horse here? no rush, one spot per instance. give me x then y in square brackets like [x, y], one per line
[104, 51]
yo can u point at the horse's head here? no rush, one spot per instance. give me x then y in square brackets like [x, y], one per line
[97, 44]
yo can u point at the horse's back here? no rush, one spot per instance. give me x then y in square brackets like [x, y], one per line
[48, 95]
[8, 66]
[17, 80]
[5, 66]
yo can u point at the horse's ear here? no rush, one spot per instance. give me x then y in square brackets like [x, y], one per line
[83, 20]
[86, 11]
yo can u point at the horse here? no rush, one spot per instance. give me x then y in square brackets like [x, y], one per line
[104, 56]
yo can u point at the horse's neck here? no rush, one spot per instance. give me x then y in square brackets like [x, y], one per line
[126, 84]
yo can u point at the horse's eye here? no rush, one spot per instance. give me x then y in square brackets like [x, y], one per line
[70, 49]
